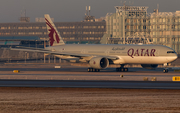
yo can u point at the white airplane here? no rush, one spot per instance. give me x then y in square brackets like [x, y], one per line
[100, 56]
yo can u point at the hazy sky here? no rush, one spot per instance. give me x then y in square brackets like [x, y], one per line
[74, 10]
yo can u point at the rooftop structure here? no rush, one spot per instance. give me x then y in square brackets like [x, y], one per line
[23, 17]
[88, 17]
[126, 22]
[131, 8]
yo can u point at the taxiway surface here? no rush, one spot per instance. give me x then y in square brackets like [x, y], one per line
[91, 84]
[80, 73]
[70, 76]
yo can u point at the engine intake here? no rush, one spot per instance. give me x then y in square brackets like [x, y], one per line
[99, 63]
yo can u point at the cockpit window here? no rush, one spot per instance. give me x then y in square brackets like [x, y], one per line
[170, 52]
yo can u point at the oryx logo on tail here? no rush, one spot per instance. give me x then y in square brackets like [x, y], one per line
[52, 32]
[54, 36]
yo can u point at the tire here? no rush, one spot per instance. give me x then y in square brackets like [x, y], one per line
[165, 70]
[90, 69]
[126, 69]
[96, 70]
[122, 69]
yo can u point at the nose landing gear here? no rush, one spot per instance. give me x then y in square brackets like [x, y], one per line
[166, 69]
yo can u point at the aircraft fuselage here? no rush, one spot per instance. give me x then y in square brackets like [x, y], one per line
[127, 54]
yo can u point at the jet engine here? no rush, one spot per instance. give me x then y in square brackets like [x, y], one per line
[99, 63]
[149, 66]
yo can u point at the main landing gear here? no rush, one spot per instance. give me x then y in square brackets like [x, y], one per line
[122, 69]
[93, 70]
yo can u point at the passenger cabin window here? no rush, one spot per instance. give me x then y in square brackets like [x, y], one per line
[170, 52]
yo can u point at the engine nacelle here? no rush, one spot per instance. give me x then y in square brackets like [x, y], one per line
[149, 66]
[99, 63]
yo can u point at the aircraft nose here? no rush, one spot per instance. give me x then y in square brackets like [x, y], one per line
[172, 58]
[176, 56]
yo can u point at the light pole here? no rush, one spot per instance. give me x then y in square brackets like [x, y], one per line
[36, 52]
[25, 56]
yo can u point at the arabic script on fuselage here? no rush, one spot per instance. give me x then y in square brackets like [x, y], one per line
[118, 48]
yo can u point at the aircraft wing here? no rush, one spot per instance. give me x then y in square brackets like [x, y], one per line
[41, 50]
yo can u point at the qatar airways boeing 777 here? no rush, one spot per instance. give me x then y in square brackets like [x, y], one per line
[100, 56]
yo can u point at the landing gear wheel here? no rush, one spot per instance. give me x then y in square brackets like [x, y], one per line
[93, 70]
[165, 70]
[90, 69]
[122, 69]
[126, 69]
[97, 70]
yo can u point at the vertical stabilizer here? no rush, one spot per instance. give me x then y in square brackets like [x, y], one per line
[54, 36]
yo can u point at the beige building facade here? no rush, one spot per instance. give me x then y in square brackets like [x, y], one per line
[132, 25]
[165, 29]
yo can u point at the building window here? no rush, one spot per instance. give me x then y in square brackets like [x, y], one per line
[164, 27]
[174, 20]
[144, 27]
[168, 20]
[151, 27]
[164, 19]
[43, 27]
[158, 27]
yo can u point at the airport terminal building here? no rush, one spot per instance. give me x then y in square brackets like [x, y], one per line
[71, 32]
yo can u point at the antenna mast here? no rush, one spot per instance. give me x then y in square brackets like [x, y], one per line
[23, 17]
[89, 10]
